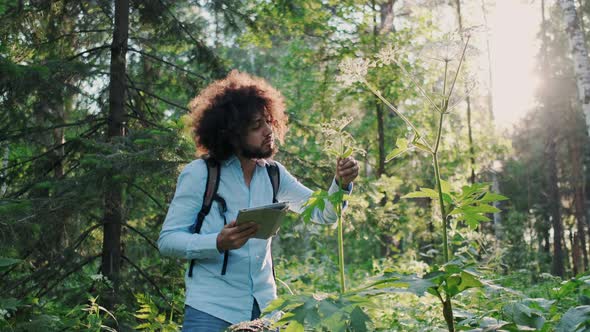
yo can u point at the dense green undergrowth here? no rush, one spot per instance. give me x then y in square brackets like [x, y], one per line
[519, 301]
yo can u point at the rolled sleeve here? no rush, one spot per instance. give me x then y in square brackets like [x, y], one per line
[175, 238]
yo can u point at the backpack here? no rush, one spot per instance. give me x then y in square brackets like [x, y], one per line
[213, 175]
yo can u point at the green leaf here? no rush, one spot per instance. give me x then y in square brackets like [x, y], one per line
[401, 147]
[423, 193]
[445, 186]
[294, 326]
[491, 197]
[4, 261]
[9, 303]
[523, 315]
[397, 283]
[359, 320]
[347, 153]
[575, 319]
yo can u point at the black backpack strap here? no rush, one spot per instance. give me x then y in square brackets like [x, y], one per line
[275, 178]
[213, 174]
[223, 209]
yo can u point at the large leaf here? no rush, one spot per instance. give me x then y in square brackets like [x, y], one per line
[359, 320]
[575, 319]
[397, 283]
[523, 315]
[458, 282]
[4, 261]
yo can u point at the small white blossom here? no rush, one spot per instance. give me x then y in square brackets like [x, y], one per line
[353, 70]
[97, 277]
[386, 55]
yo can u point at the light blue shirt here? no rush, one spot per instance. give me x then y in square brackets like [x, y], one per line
[249, 272]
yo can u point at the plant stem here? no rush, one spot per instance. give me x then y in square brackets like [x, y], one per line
[340, 230]
[393, 108]
[442, 208]
[341, 254]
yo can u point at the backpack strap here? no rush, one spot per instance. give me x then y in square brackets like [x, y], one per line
[213, 174]
[275, 178]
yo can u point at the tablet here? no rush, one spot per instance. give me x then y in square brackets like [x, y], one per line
[268, 217]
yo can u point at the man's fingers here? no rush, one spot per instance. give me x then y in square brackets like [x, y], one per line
[348, 171]
[246, 227]
[348, 162]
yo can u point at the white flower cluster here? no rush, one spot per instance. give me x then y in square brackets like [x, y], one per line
[386, 56]
[353, 70]
[97, 277]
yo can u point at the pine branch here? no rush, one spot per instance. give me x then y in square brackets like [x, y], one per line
[20, 133]
[150, 280]
[171, 103]
[47, 289]
[168, 63]
[200, 44]
[46, 272]
[149, 195]
[94, 49]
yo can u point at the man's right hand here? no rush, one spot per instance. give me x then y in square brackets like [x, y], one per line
[234, 236]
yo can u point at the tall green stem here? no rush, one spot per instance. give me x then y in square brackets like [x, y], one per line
[442, 207]
[341, 250]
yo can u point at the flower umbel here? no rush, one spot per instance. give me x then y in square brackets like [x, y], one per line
[386, 56]
[353, 70]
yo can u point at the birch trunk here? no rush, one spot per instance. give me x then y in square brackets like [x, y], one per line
[579, 55]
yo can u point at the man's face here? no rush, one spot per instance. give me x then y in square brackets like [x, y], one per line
[259, 141]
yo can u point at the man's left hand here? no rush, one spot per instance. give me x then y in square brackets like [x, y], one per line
[347, 170]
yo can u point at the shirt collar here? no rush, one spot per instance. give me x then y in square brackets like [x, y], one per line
[233, 158]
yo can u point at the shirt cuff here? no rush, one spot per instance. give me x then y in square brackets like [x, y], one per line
[203, 246]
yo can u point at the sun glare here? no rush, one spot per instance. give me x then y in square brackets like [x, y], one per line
[514, 26]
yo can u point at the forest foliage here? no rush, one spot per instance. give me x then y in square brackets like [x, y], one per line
[452, 225]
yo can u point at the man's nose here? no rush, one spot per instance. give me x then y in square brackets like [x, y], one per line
[267, 128]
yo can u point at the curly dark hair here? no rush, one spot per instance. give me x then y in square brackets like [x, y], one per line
[221, 113]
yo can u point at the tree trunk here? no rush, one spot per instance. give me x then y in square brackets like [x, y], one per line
[490, 98]
[113, 204]
[579, 55]
[578, 181]
[384, 27]
[557, 266]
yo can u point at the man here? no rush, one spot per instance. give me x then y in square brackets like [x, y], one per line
[235, 122]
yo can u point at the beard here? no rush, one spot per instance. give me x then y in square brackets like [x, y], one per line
[253, 152]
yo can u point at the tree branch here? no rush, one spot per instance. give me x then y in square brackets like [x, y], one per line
[147, 277]
[167, 62]
[94, 49]
[47, 289]
[149, 195]
[26, 131]
[171, 103]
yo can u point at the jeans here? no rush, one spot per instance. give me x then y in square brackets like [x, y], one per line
[199, 321]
